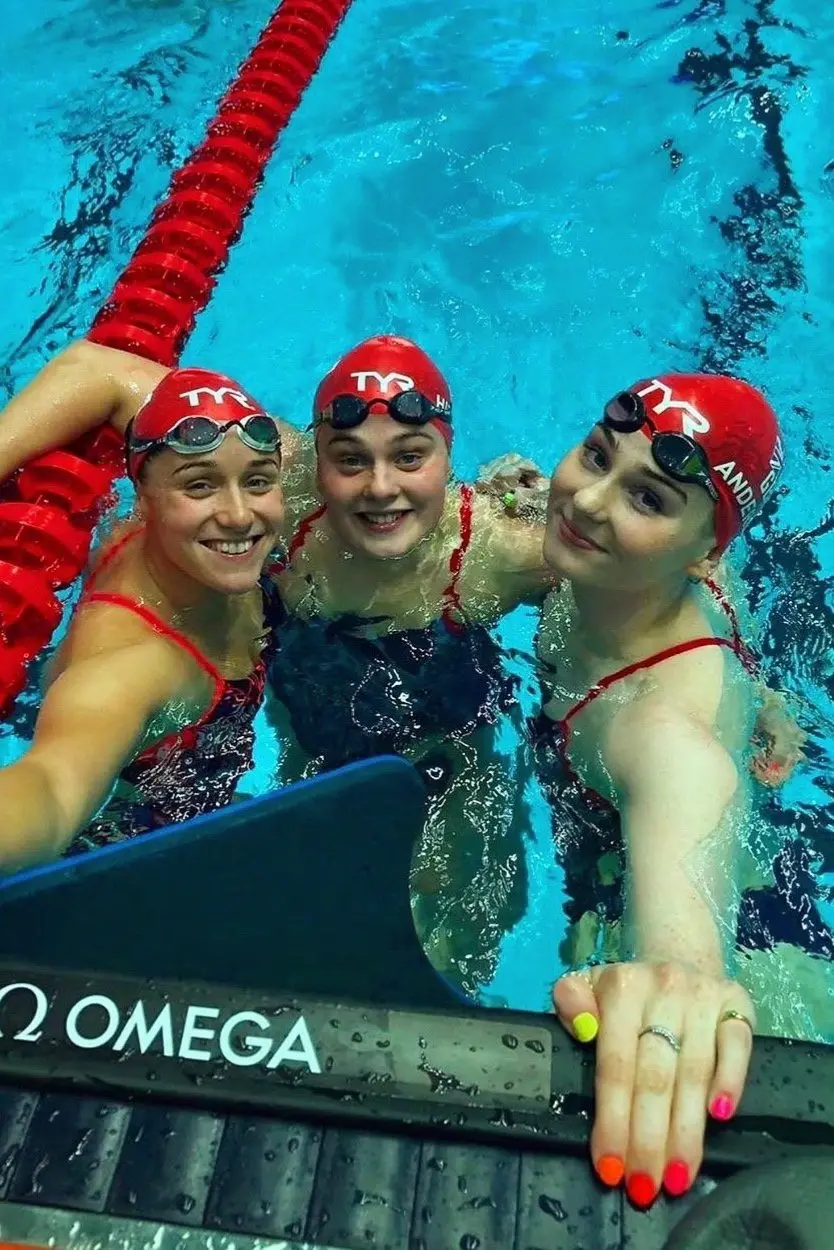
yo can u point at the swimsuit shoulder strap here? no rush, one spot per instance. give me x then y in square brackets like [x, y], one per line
[298, 540]
[167, 631]
[451, 597]
[737, 643]
[109, 556]
[680, 648]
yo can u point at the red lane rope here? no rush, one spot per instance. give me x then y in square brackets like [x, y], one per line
[45, 533]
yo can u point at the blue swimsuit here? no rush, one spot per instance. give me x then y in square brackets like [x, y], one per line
[350, 696]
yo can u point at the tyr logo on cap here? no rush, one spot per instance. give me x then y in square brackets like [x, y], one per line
[384, 380]
[692, 421]
[218, 396]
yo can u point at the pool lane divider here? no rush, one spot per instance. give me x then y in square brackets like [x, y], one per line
[50, 509]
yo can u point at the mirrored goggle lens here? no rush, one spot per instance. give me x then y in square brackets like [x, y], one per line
[261, 433]
[195, 434]
[682, 458]
[625, 412]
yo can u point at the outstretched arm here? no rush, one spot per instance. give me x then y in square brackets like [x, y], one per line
[674, 1034]
[91, 720]
[677, 789]
[81, 389]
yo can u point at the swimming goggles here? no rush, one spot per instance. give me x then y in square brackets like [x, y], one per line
[345, 412]
[192, 435]
[676, 454]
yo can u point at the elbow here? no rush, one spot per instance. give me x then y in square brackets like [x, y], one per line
[34, 828]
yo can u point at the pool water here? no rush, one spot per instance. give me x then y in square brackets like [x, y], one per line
[552, 205]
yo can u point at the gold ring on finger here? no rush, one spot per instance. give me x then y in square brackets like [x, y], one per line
[737, 1015]
[668, 1036]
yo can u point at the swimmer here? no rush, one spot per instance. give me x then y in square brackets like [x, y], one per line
[648, 695]
[147, 716]
[393, 575]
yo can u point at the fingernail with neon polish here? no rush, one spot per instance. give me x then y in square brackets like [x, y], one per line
[641, 1189]
[585, 1026]
[610, 1169]
[722, 1107]
[676, 1178]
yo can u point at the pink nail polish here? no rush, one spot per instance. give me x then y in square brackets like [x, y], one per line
[676, 1178]
[722, 1107]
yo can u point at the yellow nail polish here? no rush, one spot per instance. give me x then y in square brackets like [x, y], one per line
[585, 1026]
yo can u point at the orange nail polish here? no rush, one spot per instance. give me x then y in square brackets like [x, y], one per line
[641, 1189]
[610, 1169]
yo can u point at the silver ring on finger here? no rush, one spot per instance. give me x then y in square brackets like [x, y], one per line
[668, 1036]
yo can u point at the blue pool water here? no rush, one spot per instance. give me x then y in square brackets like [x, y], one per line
[553, 205]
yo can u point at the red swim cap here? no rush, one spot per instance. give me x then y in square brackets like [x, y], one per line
[187, 393]
[737, 429]
[382, 366]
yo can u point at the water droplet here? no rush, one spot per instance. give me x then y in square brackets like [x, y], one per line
[293, 1144]
[356, 1037]
[269, 1155]
[469, 1242]
[535, 1045]
[509, 1040]
[185, 1203]
[553, 1207]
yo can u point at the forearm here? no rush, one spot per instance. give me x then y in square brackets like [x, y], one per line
[680, 843]
[32, 825]
[681, 921]
[80, 389]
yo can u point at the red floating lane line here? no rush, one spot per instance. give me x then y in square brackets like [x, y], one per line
[151, 312]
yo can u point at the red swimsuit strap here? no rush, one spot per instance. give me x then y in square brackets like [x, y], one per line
[167, 631]
[680, 648]
[298, 540]
[451, 596]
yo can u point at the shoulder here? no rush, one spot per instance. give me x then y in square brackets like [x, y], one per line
[654, 741]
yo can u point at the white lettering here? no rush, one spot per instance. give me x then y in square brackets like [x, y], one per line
[257, 1048]
[146, 1034]
[692, 421]
[385, 380]
[142, 1030]
[33, 1031]
[218, 396]
[298, 1033]
[74, 1017]
[738, 484]
[777, 461]
[190, 1032]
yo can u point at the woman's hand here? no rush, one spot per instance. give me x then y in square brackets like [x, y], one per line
[518, 483]
[654, 1090]
[778, 739]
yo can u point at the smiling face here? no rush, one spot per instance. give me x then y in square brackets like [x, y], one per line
[214, 517]
[384, 484]
[615, 520]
